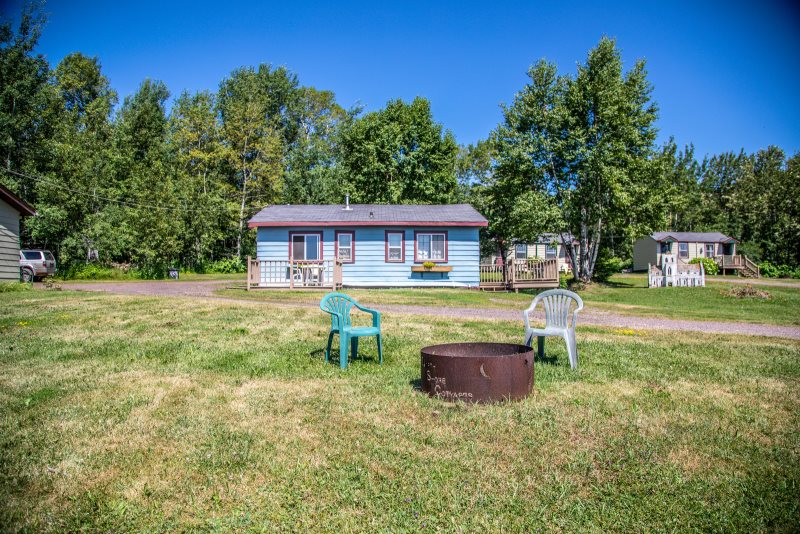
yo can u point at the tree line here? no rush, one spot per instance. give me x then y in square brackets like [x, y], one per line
[151, 185]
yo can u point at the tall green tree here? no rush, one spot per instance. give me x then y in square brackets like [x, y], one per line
[25, 102]
[81, 159]
[312, 175]
[399, 155]
[145, 180]
[253, 106]
[583, 142]
[199, 157]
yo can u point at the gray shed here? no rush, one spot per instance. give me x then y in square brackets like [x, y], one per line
[11, 209]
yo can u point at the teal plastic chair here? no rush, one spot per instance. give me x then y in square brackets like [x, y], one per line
[339, 306]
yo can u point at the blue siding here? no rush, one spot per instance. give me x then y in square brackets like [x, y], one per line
[370, 268]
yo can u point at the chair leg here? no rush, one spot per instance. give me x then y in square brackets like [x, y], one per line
[574, 347]
[354, 347]
[572, 350]
[343, 342]
[380, 350]
[528, 341]
[328, 348]
[540, 346]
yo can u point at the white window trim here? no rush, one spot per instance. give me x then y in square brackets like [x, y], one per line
[417, 237]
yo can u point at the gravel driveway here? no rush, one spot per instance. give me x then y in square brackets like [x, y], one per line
[205, 289]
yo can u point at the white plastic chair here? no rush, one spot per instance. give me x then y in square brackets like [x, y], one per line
[557, 304]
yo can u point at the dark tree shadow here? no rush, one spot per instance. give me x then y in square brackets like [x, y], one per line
[416, 383]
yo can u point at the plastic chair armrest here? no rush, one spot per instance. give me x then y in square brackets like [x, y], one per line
[376, 315]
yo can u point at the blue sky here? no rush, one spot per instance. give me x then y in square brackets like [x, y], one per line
[726, 74]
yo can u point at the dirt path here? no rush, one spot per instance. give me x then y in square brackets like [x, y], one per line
[205, 289]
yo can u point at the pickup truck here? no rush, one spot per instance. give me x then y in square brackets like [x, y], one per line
[35, 264]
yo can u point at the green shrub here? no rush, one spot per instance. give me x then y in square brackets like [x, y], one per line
[95, 271]
[564, 280]
[769, 270]
[605, 267]
[226, 266]
[13, 287]
[709, 265]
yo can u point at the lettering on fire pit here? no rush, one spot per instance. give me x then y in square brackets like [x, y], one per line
[438, 386]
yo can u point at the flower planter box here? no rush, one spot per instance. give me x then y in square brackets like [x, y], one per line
[434, 269]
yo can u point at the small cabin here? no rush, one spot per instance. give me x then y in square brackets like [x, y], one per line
[366, 245]
[686, 246]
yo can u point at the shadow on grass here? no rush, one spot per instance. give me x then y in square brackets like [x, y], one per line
[334, 358]
[620, 285]
[416, 384]
[546, 359]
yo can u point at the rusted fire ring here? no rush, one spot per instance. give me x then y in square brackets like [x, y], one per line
[477, 372]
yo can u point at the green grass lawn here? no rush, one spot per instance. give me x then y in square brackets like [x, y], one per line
[625, 294]
[139, 414]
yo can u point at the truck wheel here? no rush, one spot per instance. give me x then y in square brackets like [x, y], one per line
[27, 276]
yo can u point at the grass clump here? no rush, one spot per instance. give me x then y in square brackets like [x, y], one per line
[14, 287]
[747, 292]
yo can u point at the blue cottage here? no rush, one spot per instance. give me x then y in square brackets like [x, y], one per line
[366, 245]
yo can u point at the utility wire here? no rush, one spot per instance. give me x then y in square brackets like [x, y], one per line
[116, 201]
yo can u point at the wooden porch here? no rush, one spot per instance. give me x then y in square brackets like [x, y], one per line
[738, 263]
[520, 274]
[299, 274]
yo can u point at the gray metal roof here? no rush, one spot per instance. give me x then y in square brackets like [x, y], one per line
[693, 237]
[368, 215]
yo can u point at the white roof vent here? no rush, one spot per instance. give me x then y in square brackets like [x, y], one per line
[347, 203]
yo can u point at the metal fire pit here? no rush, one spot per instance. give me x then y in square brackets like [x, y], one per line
[477, 372]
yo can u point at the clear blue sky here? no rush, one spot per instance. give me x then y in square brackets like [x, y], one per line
[726, 74]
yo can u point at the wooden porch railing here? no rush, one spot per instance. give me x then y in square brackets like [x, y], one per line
[520, 274]
[294, 274]
[739, 262]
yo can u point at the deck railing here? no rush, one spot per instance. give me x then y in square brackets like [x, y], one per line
[520, 274]
[738, 262]
[294, 274]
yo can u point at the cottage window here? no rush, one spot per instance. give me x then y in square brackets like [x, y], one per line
[521, 251]
[307, 247]
[394, 247]
[345, 247]
[550, 252]
[710, 250]
[683, 250]
[431, 247]
[666, 247]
